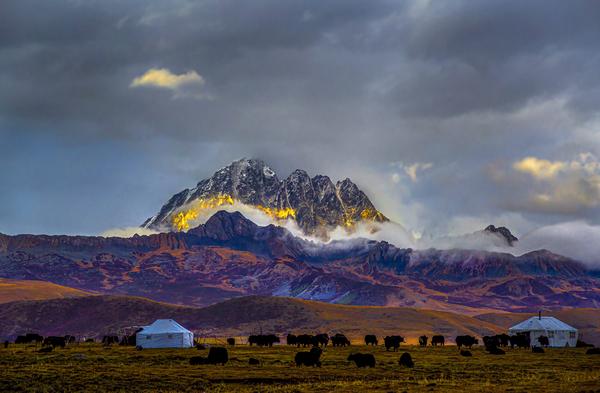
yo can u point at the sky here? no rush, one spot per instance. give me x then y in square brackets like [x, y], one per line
[450, 115]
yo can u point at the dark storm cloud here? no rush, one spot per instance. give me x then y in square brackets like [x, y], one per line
[337, 87]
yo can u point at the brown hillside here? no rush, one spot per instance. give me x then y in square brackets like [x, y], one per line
[98, 315]
[16, 290]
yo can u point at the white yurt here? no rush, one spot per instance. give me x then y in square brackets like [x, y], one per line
[559, 333]
[164, 333]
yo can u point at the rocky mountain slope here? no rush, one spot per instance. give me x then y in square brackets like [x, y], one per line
[316, 204]
[230, 256]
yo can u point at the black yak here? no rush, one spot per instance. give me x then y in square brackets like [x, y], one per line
[362, 360]
[291, 339]
[371, 339]
[55, 341]
[520, 341]
[339, 340]
[320, 340]
[544, 341]
[437, 340]
[393, 342]
[423, 341]
[231, 341]
[593, 351]
[406, 360]
[218, 355]
[466, 341]
[309, 359]
[305, 340]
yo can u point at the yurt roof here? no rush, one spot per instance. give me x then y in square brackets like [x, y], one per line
[164, 326]
[543, 323]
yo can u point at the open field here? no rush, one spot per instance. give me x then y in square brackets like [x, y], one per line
[91, 367]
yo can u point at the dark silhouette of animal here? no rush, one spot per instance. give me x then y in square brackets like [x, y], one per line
[129, 340]
[6, 344]
[291, 339]
[110, 340]
[29, 338]
[466, 341]
[46, 349]
[231, 341]
[371, 339]
[254, 362]
[320, 340]
[339, 340]
[406, 360]
[583, 344]
[218, 355]
[503, 339]
[309, 359]
[520, 341]
[362, 360]
[263, 340]
[491, 341]
[423, 341]
[544, 341]
[392, 342]
[464, 352]
[69, 339]
[437, 340]
[89, 340]
[198, 360]
[55, 341]
[304, 340]
[494, 351]
[593, 351]
[537, 349]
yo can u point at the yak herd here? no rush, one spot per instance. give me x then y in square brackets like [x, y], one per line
[312, 358]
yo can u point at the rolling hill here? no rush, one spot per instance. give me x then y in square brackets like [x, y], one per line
[15, 290]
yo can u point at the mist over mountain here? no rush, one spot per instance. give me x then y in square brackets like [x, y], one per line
[316, 204]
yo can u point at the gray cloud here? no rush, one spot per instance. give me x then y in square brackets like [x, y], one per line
[340, 87]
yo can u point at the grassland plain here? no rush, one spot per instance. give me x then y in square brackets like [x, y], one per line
[91, 367]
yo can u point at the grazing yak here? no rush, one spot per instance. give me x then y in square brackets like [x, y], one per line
[466, 341]
[263, 340]
[110, 340]
[305, 340]
[503, 339]
[543, 340]
[291, 339]
[29, 338]
[423, 341]
[320, 340]
[309, 359]
[491, 341]
[393, 342]
[537, 349]
[218, 355]
[520, 341]
[437, 340]
[593, 351]
[495, 351]
[339, 340]
[362, 360]
[464, 352]
[406, 360]
[231, 341]
[371, 339]
[55, 341]
[254, 362]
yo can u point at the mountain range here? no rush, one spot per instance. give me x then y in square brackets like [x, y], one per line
[316, 204]
[230, 256]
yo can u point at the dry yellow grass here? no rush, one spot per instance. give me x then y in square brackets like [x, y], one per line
[89, 367]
